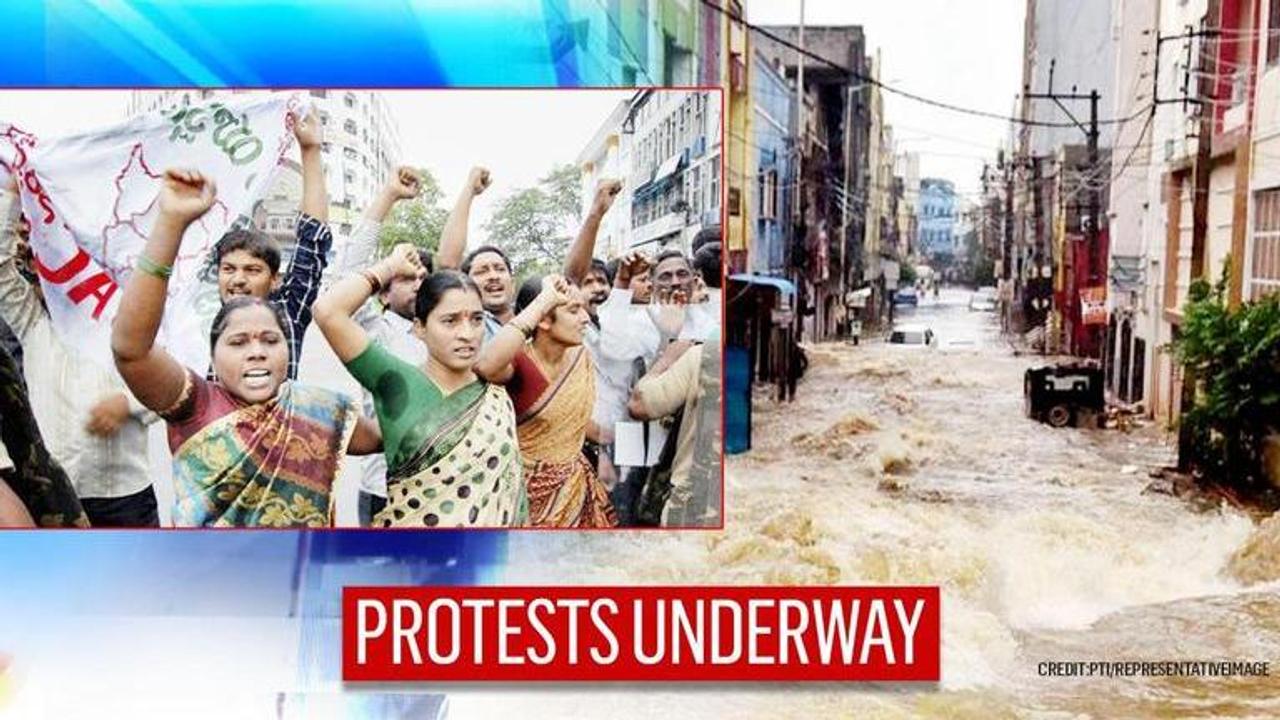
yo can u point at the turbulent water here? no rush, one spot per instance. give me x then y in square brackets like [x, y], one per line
[899, 465]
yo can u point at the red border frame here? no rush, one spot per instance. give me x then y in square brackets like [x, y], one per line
[724, 193]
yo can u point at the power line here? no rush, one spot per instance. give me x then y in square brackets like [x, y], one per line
[904, 93]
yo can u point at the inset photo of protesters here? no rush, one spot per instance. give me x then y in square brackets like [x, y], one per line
[334, 308]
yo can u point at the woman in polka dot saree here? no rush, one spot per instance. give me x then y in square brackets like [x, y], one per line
[455, 461]
[449, 437]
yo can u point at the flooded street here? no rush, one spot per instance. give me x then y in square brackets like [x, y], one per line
[901, 465]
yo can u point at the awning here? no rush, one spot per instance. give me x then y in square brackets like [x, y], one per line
[668, 168]
[780, 284]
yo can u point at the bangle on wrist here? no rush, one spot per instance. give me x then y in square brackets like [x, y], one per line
[375, 282]
[153, 268]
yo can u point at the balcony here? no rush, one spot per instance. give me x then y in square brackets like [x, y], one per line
[659, 228]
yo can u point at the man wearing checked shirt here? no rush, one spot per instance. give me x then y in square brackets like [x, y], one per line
[248, 262]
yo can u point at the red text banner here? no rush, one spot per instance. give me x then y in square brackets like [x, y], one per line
[633, 634]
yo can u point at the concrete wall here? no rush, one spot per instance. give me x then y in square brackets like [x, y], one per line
[1265, 170]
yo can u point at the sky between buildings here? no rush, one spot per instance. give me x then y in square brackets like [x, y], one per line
[964, 52]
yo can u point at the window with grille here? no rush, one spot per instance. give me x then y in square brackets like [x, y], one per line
[769, 195]
[1264, 273]
[713, 191]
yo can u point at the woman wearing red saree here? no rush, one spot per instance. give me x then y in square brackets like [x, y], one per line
[539, 356]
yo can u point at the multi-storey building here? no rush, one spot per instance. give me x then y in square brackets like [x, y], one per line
[834, 177]
[665, 146]
[1212, 181]
[1069, 49]
[675, 172]
[774, 148]
[607, 157]
[937, 218]
[907, 182]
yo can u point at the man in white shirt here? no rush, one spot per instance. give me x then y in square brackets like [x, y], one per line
[634, 334]
[94, 428]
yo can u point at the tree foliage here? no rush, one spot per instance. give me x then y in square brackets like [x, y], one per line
[1233, 356]
[564, 187]
[418, 221]
[534, 225]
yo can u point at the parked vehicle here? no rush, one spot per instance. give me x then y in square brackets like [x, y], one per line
[906, 296]
[916, 335]
[984, 299]
[1062, 395]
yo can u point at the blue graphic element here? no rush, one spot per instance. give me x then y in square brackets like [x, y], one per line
[53, 575]
[47, 576]
[320, 43]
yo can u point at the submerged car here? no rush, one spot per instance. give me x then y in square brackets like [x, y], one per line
[906, 296]
[917, 335]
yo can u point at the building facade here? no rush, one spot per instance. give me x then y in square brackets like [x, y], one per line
[680, 43]
[606, 157]
[907, 179]
[834, 175]
[665, 146]
[773, 146]
[1069, 52]
[1201, 198]
[936, 220]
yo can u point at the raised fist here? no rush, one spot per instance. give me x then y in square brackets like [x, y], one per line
[405, 183]
[308, 131]
[632, 264]
[606, 192]
[403, 262]
[185, 195]
[556, 291]
[478, 181]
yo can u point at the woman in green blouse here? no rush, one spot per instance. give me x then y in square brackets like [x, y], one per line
[449, 437]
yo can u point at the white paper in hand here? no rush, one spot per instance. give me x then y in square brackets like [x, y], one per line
[634, 447]
[628, 444]
[657, 441]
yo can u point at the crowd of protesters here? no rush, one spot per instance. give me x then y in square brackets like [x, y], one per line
[587, 398]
